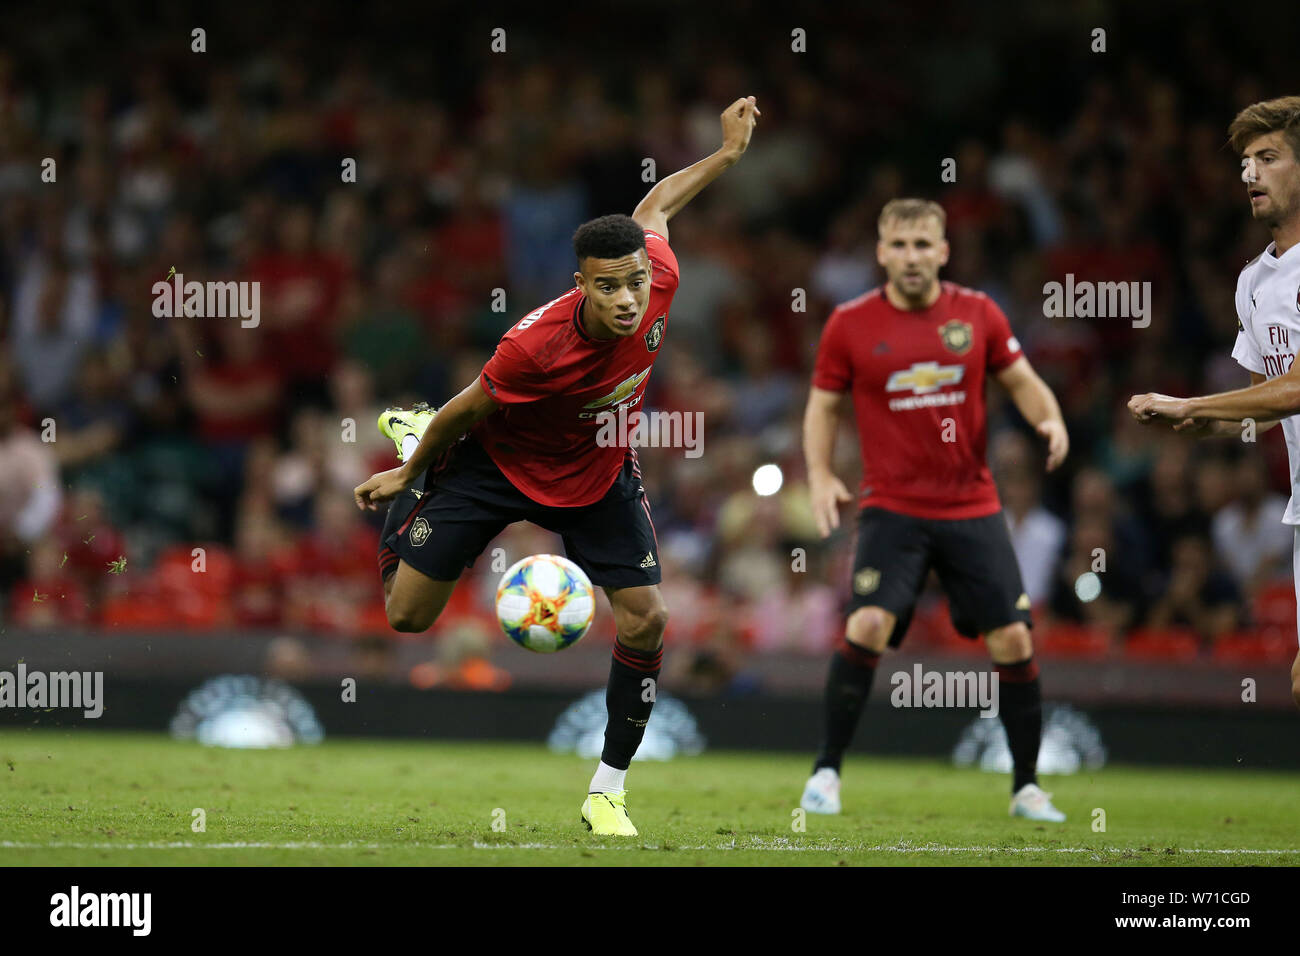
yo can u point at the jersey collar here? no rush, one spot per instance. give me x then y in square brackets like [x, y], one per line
[1274, 261]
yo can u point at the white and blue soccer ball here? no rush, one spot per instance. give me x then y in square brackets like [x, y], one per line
[545, 603]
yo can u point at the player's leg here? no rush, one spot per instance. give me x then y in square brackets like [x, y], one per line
[1295, 680]
[1020, 707]
[640, 617]
[1295, 565]
[889, 570]
[978, 569]
[433, 531]
[413, 600]
[614, 542]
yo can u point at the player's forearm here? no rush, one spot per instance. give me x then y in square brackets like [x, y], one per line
[671, 194]
[1275, 399]
[819, 429]
[1036, 402]
[1232, 429]
[452, 421]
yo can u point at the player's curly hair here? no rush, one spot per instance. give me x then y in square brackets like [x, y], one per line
[1265, 117]
[609, 237]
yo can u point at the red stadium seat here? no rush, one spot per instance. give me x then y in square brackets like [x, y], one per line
[1071, 640]
[137, 611]
[1265, 646]
[1275, 607]
[175, 566]
[1175, 644]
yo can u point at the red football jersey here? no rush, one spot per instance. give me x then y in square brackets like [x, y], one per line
[554, 382]
[918, 379]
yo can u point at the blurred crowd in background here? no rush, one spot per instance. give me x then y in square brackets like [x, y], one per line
[198, 444]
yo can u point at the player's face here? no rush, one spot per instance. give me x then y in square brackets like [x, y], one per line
[912, 252]
[1275, 193]
[618, 292]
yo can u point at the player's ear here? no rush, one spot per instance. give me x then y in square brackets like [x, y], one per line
[880, 252]
[944, 250]
[580, 281]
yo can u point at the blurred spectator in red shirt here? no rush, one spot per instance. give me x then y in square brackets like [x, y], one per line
[335, 571]
[30, 477]
[301, 288]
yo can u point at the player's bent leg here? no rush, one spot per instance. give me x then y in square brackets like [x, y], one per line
[1020, 705]
[414, 600]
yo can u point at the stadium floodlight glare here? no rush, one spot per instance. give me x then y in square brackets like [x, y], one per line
[768, 479]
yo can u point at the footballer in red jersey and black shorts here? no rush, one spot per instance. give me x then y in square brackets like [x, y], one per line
[524, 442]
[913, 356]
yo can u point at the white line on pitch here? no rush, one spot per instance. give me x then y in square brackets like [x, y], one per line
[788, 847]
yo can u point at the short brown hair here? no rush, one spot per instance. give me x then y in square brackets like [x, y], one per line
[911, 210]
[1269, 116]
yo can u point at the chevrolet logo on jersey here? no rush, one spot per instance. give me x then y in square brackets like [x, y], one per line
[624, 389]
[619, 398]
[925, 377]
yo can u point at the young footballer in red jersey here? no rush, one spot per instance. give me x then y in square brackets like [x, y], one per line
[913, 355]
[520, 443]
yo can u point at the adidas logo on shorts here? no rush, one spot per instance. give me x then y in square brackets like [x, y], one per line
[648, 561]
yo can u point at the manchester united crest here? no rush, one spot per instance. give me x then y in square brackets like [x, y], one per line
[419, 532]
[957, 336]
[655, 337]
[866, 581]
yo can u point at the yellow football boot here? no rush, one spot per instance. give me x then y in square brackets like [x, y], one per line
[397, 423]
[605, 814]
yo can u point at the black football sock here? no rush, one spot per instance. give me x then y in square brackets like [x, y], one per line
[629, 700]
[847, 687]
[1020, 705]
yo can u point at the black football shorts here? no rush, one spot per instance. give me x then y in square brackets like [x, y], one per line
[442, 524]
[973, 557]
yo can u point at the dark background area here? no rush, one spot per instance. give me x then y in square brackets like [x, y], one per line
[473, 170]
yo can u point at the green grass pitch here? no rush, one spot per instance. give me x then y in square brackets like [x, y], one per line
[98, 798]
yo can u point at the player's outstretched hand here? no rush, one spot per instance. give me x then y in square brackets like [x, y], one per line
[1156, 407]
[738, 121]
[827, 493]
[379, 488]
[1058, 442]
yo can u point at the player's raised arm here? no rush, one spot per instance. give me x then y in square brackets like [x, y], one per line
[1039, 407]
[669, 195]
[453, 420]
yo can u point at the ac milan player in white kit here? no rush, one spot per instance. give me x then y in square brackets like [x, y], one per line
[1267, 137]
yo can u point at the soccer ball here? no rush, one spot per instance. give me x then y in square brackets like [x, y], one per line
[545, 603]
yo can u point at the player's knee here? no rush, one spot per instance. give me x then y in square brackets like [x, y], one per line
[1011, 643]
[870, 627]
[646, 632]
[408, 620]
